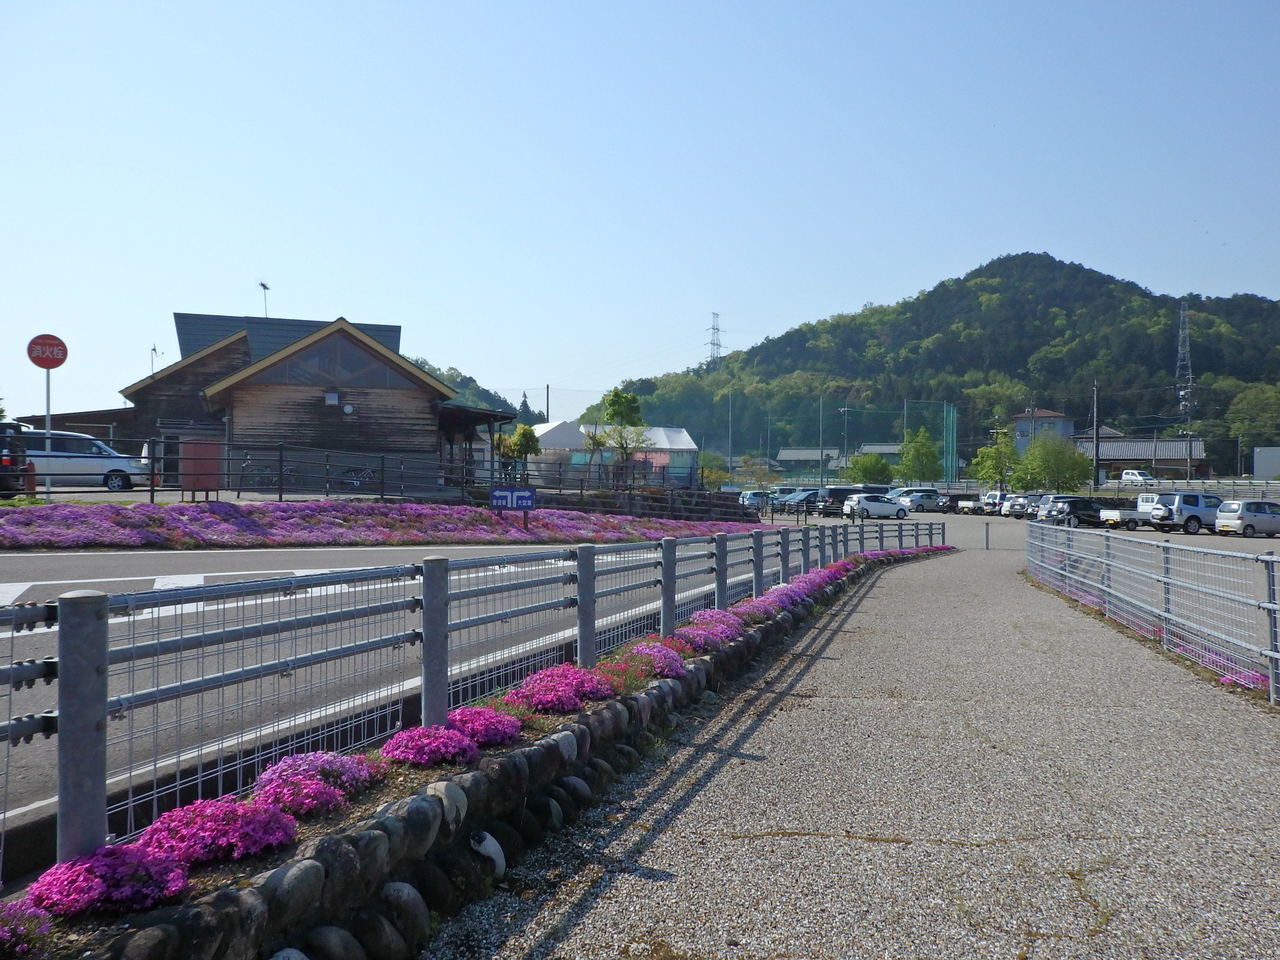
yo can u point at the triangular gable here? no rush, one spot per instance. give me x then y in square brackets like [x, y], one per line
[180, 364]
[337, 327]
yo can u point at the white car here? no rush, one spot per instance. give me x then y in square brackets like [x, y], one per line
[1138, 477]
[876, 505]
[921, 502]
[1248, 518]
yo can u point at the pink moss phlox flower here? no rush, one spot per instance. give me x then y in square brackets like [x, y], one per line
[666, 662]
[222, 829]
[117, 877]
[486, 726]
[22, 926]
[316, 782]
[559, 689]
[428, 746]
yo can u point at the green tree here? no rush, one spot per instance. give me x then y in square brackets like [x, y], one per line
[919, 459]
[869, 468]
[994, 465]
[1053, 463]
[1254, 414]
[714, 470]
[525, 444]
[526, 414]
[622, 409]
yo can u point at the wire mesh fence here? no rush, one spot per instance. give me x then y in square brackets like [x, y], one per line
[202, 687]
[1215, 607]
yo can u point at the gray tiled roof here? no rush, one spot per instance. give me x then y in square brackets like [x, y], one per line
[267, 335]
[1139, 449]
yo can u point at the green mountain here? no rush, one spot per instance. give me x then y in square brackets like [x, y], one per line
[1025, 330]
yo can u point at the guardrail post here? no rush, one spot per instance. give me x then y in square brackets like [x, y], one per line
[722, 571]
[1106, 575]
[757, 563]
[82, 723]
[1166, 568]
[1273, 629]
[279, 472]
[586, 605]
[804, 549]
[435, 640]
[901, 536]
[823, 554]
[915, 530]
[667, 613]
[784, 554]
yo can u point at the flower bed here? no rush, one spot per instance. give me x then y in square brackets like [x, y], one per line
[185, 526]
[130, 877]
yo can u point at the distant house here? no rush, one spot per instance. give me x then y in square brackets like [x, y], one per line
[1171, 457]
[1033, 422]
[892, 452]
[810, 459]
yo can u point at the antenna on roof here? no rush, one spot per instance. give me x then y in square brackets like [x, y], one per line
[265, 288]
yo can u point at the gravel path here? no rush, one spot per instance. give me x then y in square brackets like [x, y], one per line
[950, 764]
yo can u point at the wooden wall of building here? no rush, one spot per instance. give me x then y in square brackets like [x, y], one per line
[382, 421]
[177, 396]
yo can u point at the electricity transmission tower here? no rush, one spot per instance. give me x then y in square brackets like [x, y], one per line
[714, 360]
[1183, 379]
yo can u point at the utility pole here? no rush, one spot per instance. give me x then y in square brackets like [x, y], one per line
[1096, 434]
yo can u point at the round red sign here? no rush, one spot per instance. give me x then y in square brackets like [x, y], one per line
[47, 351]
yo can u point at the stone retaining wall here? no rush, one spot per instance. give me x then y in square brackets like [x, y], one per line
[369, 892]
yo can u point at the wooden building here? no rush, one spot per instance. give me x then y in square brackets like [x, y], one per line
[253, 383]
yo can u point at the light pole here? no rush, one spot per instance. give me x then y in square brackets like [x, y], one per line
[845, 411]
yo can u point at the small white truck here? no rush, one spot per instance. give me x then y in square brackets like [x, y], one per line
[1131, 519]
[968, 506]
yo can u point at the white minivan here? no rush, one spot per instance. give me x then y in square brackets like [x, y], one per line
[77, 459]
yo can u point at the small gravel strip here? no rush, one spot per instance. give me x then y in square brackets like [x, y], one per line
[948, 764]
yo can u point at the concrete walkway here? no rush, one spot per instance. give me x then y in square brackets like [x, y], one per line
[949, 764]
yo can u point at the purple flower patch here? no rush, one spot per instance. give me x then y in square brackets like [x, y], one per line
[428, 746]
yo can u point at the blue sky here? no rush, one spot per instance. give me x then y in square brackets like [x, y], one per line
[562, 193]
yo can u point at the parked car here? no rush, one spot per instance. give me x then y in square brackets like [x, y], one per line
[759, 499]
[77, 459]
[1075, 511]
[802, 501]
[878, 505]
[922, 502]
[1044, 507]
[1248, 518]
[1016, 506]
[993, 501]
[1190, 511]
[1137, 477]
[13, 459]
[831, 499]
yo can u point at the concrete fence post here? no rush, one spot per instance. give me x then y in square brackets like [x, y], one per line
[586, 605]
[784, 554]
[804, 549]
[82, 723]
[667, 611]
[722, 571]
[435, 640]
[823, 554]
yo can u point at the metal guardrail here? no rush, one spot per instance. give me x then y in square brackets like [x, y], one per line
[123, 706]
[1216, 607]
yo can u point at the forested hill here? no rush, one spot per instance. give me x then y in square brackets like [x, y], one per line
[1024, 330]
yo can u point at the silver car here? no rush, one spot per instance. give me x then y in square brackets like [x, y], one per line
[1248, 518]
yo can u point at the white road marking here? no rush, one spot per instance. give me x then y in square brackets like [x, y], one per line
[10, 592]
[180, 580]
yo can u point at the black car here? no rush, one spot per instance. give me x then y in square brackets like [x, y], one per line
[13, 459]
[1078, 511]
[831, 500]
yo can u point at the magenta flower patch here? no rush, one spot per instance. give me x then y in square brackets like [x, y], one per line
[486, 726]
[428, 746]
[560, 689]
[119, 877]
[223, 829]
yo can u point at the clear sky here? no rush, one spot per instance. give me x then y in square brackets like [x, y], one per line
[552, 193]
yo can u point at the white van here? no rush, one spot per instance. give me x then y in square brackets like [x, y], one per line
[77, 459]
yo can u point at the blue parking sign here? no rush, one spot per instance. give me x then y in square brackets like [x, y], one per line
[511, 498]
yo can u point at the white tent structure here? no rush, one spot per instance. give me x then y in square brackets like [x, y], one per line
[668, 457]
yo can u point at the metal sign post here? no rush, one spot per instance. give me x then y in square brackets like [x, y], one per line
[47, 352]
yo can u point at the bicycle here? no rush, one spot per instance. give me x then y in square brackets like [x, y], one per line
[361, 476]
[265, 476]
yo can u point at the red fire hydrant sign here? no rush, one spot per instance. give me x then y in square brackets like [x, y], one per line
[47, 351]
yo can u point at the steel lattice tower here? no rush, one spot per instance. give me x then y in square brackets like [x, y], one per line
[1183, 379]
[714, 360]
